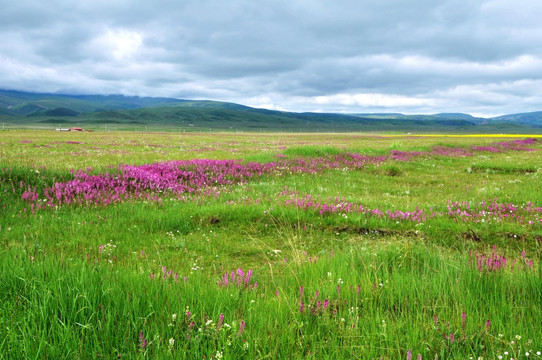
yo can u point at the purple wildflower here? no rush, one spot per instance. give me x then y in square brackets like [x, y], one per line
[240, 276]
[248, 276]
[142, 341]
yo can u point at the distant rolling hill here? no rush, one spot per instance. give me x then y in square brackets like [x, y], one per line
[94, 111]
[20, 102]
[532, 118]
[437, 117]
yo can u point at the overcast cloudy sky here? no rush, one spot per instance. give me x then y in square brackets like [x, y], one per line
[416, 56]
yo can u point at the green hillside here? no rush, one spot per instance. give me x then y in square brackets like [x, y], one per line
[20, 109]
[55, 112]
[23, 103]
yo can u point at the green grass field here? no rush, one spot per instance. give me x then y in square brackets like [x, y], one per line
[429, 248]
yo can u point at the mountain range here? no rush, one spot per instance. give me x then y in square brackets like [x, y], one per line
[93, 111]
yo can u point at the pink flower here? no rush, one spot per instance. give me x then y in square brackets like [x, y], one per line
[142, 341]
[220, 321]
[247, 278]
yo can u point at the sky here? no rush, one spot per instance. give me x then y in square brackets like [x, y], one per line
[482, 57]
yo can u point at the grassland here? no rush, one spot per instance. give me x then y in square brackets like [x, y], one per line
[314, 246]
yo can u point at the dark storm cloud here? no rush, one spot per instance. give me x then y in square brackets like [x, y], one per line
[381, 55]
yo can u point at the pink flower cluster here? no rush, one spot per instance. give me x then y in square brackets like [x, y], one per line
[238, 278]
[491, 263]
[341, 206]
[515, 145]
[151, 181]
[494, 211]
[496, 262]
[167, 274]
[173, 178]
[315, 306]
[490, 211]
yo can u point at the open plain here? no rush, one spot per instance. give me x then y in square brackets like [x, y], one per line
[269, 246]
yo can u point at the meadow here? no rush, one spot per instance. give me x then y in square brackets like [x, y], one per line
[269, 246]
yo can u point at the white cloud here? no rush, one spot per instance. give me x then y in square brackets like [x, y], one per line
[121, 45]
[359, 56]
[370, 100]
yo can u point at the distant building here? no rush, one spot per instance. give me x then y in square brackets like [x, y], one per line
[76, 129]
